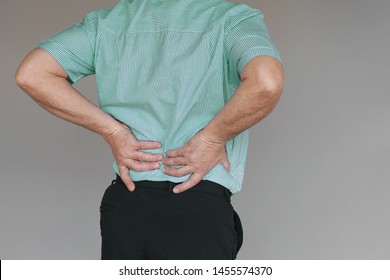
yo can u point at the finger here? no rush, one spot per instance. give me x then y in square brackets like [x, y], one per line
[190, 183]
[125, 176]
[178, 172]
[141, 166]
[174, 161]
[142, 156]
[226, 164]
[144, 145]
[175, 153]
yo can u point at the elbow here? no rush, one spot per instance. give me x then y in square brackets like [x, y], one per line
[24, 77]
[20, 77]
[272, 87]
[28, 77]
[32, 70]
[268, 96]
[266, 77]
[269, 90]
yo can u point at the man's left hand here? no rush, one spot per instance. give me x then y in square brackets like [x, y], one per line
[197, 157]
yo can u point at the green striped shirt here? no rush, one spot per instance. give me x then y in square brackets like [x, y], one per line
[166, 68]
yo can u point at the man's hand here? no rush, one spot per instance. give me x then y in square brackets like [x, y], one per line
[43, 78]
[259, 92]
[126, 150]
[197, 157]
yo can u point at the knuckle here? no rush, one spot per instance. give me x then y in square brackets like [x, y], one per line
[143, 157]
[140, 143]
[136, 168]
[171, 172]
[121, 162]
[174, 172]
[197, 166]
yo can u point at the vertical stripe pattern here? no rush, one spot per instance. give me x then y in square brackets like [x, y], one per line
[166, 68]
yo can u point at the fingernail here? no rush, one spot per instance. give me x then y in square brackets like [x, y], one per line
[176, 190]
[156, 166]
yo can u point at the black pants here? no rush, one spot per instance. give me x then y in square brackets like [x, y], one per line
[154, 223]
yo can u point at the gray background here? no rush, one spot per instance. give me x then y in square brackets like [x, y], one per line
[317, 180]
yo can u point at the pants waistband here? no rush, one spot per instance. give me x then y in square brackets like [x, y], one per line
[203, 186]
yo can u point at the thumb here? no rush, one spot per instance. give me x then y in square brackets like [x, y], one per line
[125, 176]
[225, 162]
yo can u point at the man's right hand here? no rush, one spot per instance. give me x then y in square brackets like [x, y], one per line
[39, 65]
[126, 151]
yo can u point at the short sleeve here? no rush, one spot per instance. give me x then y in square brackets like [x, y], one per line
[73, 48]
[248, 37]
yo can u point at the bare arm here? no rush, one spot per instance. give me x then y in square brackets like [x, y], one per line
[44, 80]
[258, 94]
[259, 91]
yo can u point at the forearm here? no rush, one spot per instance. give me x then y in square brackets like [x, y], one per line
[246, 108]
[58, 97]
[52, 92]
[255, 98]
